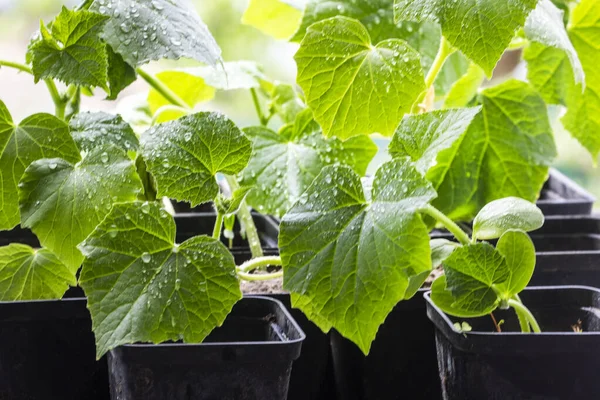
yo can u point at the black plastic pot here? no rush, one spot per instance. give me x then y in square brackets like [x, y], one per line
[193, 224]
[48, 352]
[249, 358]
[562, 196]
[557, 364]
[401, 363]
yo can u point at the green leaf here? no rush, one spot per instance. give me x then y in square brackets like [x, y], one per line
[71, 51]
[444, 300]
[545, 26]
[472, 274]
[440, 250]
[583, 116]
[92, 130]
[549, 71]
[185, 155]
[453, 69]
[423, 136]
[505, 152]
[142, 287]
[144, 31]
[38, 136]
[231, 205]
[274, 17]
[519, 253]
[120, 74]
[190, 88]
[500, 216]
[283, 165]
[480, 30]
[348, 261]
[286, 102]
[353, 87]
[465, 88]
[28, 274]
[62, 203]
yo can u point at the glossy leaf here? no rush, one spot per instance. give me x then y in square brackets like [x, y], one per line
[500, 216]
[28, 274]
[465, 88]
[92, 130]
[71, 50]
[505, 152]
[143, 287]
[482, 30]
[144, 31]
[120, 74]
[444, 300]
[440, 250]
[185, 155]
[352, 86]
[338, 248]
[423, 136]
[519, 252]
[283, 165]
[38, 136]
[231, 75]
[62, 203]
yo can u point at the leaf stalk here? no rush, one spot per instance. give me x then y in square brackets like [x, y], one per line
[520, 308]
[163, 89]
[245, 217]
[458, 233]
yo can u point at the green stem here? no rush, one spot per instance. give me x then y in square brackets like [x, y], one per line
[163, 89]
[167, 108]
[525, 328]
[261, 116]
[445, 50]
[18, 66]
[245, 217]
[520, 308]
[259, 277]
[462, 237]
[260, 262]
[218, 226]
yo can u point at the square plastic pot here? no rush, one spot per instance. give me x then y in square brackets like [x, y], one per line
[556, 364]
[249, 358]
[48, 352]
[562, 196]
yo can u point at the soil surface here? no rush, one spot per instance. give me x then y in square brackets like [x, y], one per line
[272, 286]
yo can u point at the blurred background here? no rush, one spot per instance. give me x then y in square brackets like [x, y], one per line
[19, 19]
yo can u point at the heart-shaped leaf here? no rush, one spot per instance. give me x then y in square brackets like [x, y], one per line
[62, 202]
[99, 129]
[143, 287]
[38, 136]
[348, 261]
[352, 86]
[185, 155]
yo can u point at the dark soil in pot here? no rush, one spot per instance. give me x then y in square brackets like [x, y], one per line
[558, 364]
[249, 358]
[401, 363]
[312, 374]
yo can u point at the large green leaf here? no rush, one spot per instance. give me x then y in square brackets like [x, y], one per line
[500, 216]
[347, 260]
[545, 26]
[144, 31]
[283, 165]
[550, 72]
[38, 136]
[71, 50]
[92, 130]
[583, 116]
[278, 18]
[184, 156]
[143, 287]
[481, 30]
[352, 86]
[62, 203]
[505, 152]
[28, 274]
[423, 136]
